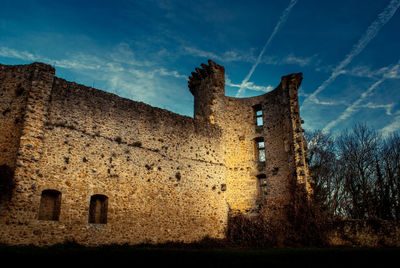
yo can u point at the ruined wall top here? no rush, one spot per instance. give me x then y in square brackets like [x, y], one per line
[212, 72]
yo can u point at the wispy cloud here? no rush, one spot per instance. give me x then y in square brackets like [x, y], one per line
[12, 53]
[227, 56]
[281, 21]
[392, 127]
[351, 109]
[301, 92]
[301, 61]
[122, 53]
[112, 63]
[249, 57]
[370, 34]
[355, 106]
[202, 53]
[366, 72]
[165, 72]
[130, 78]
[78, 61]
[387, 107]
[330, 103]
[249, 85]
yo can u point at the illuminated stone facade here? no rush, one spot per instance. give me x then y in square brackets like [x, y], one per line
[79, 164]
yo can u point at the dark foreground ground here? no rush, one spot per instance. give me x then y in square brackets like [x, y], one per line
[125, 256]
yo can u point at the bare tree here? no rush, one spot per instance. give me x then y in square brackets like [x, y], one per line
[389, 188]
[357, 153]
[321, 160]
[356, 174]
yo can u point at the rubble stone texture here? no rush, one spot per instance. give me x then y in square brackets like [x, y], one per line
[91, 167]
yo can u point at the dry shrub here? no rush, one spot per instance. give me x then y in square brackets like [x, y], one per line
[308, 226]
[296, 225]
[254, 231]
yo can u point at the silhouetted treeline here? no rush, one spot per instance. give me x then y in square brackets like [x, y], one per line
[356, 174]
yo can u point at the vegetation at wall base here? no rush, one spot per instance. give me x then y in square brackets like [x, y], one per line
[301, 224]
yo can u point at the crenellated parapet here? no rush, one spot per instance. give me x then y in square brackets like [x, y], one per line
[210, 75]
[207, 85]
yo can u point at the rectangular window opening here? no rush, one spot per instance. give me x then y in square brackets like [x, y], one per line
[262, 184]
[260, 149]
[98, 209]
[50, 202]
[259, 115]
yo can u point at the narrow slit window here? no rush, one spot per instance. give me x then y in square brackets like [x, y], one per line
[262, 184]
[260, 149]
[259, 115]
[98, 209]
[50, 202]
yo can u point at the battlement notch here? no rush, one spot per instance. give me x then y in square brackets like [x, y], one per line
[207, 84]
[210, 75]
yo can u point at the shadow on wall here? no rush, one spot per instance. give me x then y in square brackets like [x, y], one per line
[6, 181]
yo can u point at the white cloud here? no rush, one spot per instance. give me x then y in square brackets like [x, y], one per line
[387, 107]
[248, 56]
[78, 61]
[292, 59]
[329, 103]
[365, 71]
[236, 56]
[202, 53]
[112, 62]
[130, 79]
[227, 56]
[249, 85]
[175, 74]
[394, 126]
[12, 53]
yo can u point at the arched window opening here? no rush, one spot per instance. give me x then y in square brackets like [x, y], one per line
[262, 184]
[50, 203]
[98, 209]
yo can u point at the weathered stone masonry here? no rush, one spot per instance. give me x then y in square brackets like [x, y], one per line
[95, 168]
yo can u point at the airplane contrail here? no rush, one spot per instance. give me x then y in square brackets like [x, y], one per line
[392, 127]
[371, 32]
[281, 21]
[351, 109]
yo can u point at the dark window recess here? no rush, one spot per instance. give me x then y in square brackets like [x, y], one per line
[259, 115]
[260, 145]
[262, 184]
[98, 209]
[50, 203]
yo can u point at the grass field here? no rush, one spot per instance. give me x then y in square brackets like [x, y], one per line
[116, 256]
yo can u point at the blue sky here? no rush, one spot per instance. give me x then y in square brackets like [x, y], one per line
[348, 51]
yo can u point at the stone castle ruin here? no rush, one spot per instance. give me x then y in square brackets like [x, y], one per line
[80, 164]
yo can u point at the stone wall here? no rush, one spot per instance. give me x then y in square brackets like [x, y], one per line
[251, 183]
[20, 98]
[150, 175]
[15, 85]
[163, 173]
